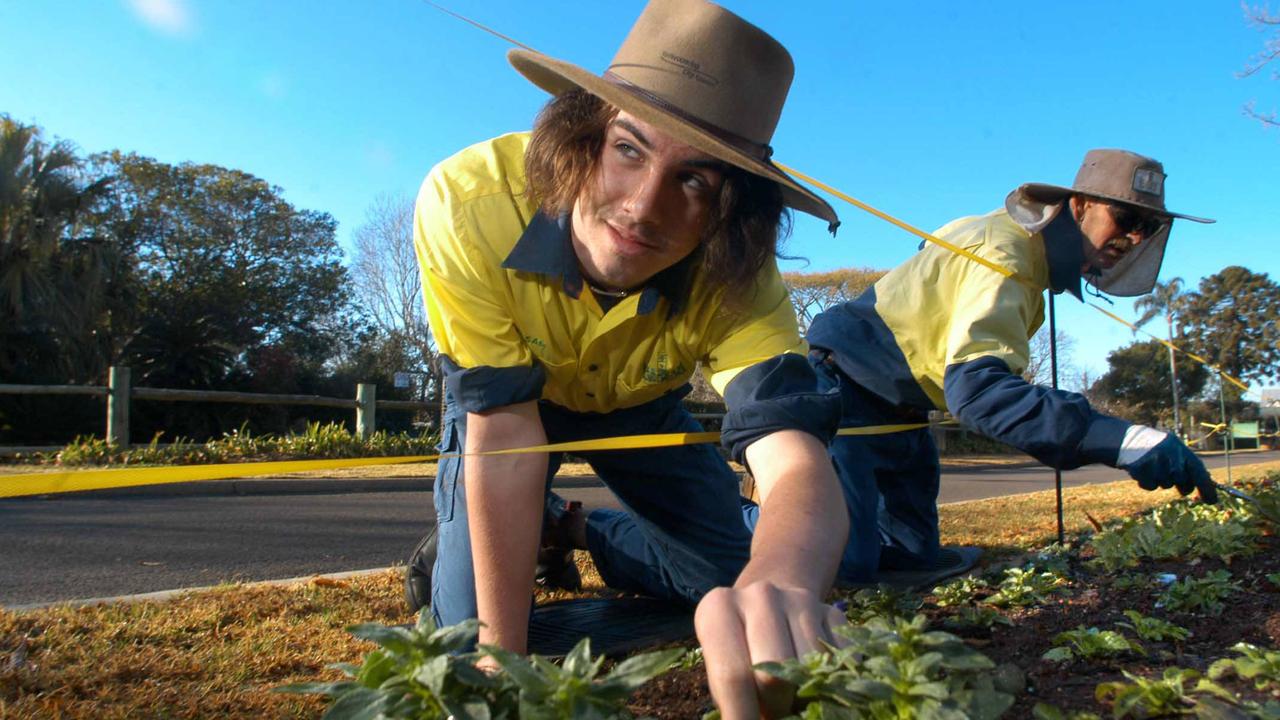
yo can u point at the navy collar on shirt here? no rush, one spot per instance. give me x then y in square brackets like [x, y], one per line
[545, 248]
[1064, 251]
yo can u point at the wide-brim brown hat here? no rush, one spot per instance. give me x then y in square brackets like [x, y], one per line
[1116, 175]
[701, 74]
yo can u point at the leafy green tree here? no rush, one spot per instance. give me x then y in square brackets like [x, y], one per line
[1233, 320]
[55, 276]
[225, 266]
[1138, 379]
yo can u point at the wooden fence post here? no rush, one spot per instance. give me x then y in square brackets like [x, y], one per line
[366, 403]
[118, 387]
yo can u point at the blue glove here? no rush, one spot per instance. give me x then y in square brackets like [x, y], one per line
[1166, 463]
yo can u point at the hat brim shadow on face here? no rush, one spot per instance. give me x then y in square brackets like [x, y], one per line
[556, 77]
[1033, 205]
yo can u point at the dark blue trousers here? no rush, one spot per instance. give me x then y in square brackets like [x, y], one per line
[682, 532]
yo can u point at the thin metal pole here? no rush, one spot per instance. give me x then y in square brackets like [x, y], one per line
[1173, 380]
[1226, 437]
[1053, 367]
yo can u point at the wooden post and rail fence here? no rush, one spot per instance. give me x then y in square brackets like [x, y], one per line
[120, 394]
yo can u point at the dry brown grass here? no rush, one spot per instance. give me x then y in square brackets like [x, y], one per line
[1019, 522]
[217, 654]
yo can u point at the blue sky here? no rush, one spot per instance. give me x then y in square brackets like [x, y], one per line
[926, 110]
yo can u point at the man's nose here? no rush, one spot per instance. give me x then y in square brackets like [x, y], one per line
[646, 197]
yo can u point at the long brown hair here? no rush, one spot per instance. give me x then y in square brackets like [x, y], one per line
[746, 222]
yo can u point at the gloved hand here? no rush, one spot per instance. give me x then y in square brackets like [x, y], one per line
[1158, 459]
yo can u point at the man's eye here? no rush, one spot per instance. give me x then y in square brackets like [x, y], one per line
[627, 149]
[697, 182]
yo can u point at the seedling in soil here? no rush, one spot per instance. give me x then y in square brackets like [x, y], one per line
[1056, 558]
[418, 672]
[882, 601]
[1198, 594]
[1178, 530]
[1154, 629]
[1090, 644]
[979, 616]
[958, 592]
[1260, 665]
[1274, 579]
[1171, 694]
[574, 689]
[691, 659]
[1129, 581]
[1023, 587]
[424, 672]
[894, 668]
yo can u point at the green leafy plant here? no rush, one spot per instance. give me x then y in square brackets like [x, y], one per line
[961, 591]
[1168, 695]
[894, 668]
[1090, 644]
[331, 440]
[576, 689]
[1026, 586]
[427, 672]
[1198, 594]
[419, 672]
[979, 616]
[1260, 665]
[881, 601]
[1154, 629]
[1178, 530]
[691, 659]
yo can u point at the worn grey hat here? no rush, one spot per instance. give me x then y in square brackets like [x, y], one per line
[700, 74]
[1117, 175]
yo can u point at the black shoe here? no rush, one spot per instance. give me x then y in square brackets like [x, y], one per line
[417, 577]
[951, 560]
[556, 569]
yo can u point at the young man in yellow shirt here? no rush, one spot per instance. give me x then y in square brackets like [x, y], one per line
[574, 277]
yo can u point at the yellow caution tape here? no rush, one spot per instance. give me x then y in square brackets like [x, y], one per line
[909, 228]
[23, 485]
[1170, 345]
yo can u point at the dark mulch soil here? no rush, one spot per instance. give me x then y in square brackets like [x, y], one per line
[1094, 599]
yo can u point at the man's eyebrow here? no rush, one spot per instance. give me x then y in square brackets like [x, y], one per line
[631, 128]
[708, 163]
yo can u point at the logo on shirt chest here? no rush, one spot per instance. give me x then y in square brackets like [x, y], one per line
[661, 371]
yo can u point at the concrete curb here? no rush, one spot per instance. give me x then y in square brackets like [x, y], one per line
[164, 595]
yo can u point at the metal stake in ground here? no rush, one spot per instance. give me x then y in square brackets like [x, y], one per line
[1226, 437]
[1053, 370]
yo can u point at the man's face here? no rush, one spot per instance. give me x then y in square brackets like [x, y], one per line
[646, 206]
[1111, 231]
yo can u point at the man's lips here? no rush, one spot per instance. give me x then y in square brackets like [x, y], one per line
[631, 242]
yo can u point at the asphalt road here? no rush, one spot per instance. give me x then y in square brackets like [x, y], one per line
[67, 547]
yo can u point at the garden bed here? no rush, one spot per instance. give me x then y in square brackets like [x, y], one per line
[221, 654]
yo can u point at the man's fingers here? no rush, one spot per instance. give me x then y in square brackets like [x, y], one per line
[727, 656]
[770, 638]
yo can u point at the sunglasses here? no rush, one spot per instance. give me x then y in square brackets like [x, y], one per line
[1129, 220]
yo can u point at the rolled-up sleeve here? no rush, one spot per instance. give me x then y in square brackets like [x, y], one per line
[467, 300]
[777, 394]
[760, 369]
